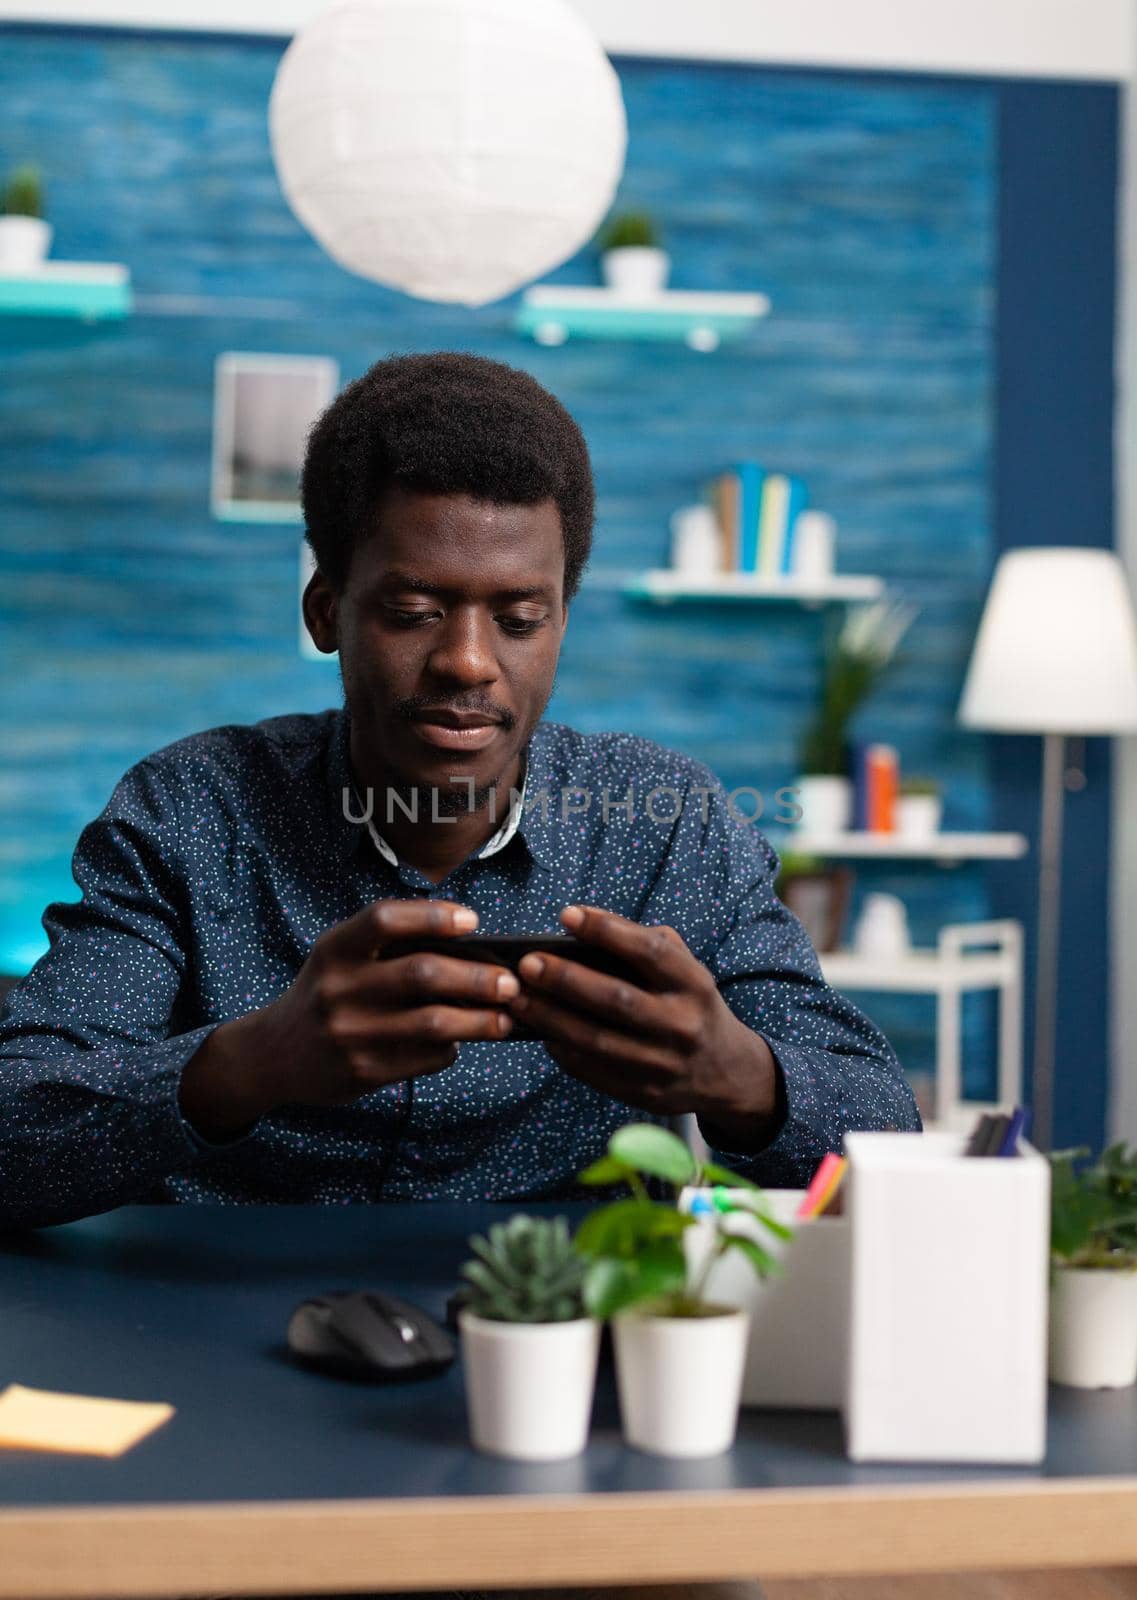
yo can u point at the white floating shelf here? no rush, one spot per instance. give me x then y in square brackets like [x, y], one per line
[884, 846]
[665, 587]
[89, 290]
[552, 313]
[919, 972]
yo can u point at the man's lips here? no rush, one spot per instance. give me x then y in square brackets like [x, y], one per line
[455, 730]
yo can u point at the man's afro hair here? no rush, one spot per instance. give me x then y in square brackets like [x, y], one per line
[443, 423]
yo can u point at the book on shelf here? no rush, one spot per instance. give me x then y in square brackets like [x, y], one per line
[756, 512]
[876, 786]
[783, 498]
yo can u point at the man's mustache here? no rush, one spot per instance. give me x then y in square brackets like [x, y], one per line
[415, 705]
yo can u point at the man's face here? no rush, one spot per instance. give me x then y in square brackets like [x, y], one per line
[449, 629]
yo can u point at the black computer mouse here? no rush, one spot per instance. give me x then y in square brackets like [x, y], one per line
[369, 1335]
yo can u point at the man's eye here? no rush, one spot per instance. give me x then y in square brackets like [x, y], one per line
[410, 619]
[519, 626]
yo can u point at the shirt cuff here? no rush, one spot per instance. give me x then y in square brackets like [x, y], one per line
[790, 1157]
[197, 1143]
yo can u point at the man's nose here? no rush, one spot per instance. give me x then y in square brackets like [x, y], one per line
[464, 649]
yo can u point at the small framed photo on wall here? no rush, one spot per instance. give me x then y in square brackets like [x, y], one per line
[263, 409]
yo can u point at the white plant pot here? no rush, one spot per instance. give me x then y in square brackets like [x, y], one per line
[680, 1381]
[529, 1385]
[826, 803]
[1093, 1327]
[636, 269]
[918, 816]
[24, 242]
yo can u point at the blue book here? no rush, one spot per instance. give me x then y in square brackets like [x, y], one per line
[860, 787]
[750, 477]
[799, 499]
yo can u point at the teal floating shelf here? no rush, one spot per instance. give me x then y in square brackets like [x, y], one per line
[88, 290]
[551, 315]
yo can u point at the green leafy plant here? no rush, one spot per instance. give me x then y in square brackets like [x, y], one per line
[634, 1247]
[919, 786]
[629, 230]
[1093, 1209]
[23, 193]
[856, 656]
[525, 1270]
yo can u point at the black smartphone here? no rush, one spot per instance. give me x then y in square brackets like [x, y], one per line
[506, 950]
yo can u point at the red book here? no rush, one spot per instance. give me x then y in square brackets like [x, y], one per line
[883, 786]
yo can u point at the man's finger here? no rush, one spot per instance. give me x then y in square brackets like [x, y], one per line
[385, 920]
[429, 975]
[428, 1025]
[561, 1025]
[658, 953]
[614, 1001]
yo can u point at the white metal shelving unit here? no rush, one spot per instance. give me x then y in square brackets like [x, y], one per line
[943, 847]
[968, 957]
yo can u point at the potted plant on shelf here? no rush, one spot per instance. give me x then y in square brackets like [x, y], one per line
[1093, 1290]
[679, 1357]
[818, 894]
[920, 808]
[528, 1348]
[856, 656]
[632, 259]
[24, 235]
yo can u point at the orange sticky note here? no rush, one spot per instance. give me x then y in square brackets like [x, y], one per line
[39, 1419]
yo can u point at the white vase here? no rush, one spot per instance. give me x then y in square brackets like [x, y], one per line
[636, 269]
[918, 816]
[826, 804]
[24, 242]
[529, 1385]
[881, 933]
[680, 1381]
[1093, 1327]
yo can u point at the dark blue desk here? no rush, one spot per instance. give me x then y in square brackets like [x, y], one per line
[272, 1479]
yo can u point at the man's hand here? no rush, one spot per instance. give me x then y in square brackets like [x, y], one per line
[669, 1044]
[350, 1022]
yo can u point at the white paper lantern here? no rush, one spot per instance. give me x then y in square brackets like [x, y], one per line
[454, 149]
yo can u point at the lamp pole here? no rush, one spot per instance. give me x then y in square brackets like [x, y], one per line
[1049, 921]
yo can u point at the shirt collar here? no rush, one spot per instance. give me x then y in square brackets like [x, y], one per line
[530, 815]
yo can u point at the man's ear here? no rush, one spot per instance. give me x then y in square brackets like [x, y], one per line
[319, 607]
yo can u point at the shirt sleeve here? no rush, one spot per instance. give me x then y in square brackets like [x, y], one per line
[838, 1070]
[90, 1055]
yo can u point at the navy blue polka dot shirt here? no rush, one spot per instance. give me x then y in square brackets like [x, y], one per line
[218, 861]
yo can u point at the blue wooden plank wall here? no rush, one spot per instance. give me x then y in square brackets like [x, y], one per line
[865, 208]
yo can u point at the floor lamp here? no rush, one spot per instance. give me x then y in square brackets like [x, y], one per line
[1056, 654]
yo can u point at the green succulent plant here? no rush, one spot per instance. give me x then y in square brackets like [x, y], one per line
[23, 193]
[525, 1270]
[629, 230]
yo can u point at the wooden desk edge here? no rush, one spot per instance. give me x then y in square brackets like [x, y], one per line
[302, 1547]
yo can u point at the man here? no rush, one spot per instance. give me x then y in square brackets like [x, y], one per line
[216, 1019]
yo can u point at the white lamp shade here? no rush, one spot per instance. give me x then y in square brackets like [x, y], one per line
[1057, 647]
[454, 149]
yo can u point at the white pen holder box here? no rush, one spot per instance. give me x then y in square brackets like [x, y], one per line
[947, 1338]
[797, 1350]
